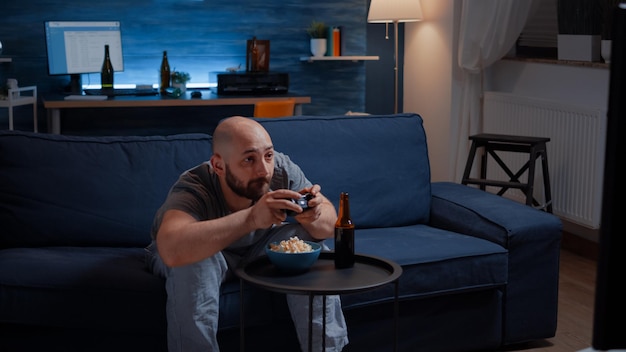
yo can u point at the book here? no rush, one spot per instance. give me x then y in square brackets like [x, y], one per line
[333, 41]
[336, 41]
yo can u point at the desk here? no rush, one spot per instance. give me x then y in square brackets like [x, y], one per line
[54, 104]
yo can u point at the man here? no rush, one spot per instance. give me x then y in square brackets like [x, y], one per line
[225, 211]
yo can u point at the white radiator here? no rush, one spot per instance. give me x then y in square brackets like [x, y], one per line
[575, 151]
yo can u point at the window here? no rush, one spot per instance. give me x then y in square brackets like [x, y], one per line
[539, 36]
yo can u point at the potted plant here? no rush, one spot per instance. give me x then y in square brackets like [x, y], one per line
[179, 80]
[318, 32]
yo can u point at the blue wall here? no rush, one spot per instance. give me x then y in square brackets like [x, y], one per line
[208, 36]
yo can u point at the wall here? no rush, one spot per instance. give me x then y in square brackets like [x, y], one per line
[200, 37]
[577, 85]
[432, 83]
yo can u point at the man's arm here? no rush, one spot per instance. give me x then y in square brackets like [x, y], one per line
[183, 240]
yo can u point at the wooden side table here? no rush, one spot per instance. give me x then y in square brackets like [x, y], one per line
[535, 147]
[16, 98]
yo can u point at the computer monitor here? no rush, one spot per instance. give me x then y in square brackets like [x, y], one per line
[77, 47]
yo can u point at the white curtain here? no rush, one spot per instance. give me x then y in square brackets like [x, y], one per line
[488, 30]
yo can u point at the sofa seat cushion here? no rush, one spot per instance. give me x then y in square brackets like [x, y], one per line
[434, 262]
[81, 287]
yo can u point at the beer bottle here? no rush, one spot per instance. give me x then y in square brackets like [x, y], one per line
[106, 75]
[344, 235]
[165, 74]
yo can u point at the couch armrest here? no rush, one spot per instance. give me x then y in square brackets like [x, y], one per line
[473, 212]
[533, 239]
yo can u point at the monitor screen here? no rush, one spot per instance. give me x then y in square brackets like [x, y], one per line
[77, 47]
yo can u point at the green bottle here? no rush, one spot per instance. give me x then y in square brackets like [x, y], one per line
[106, 76]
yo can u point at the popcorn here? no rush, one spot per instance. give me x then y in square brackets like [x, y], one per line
[293, 245]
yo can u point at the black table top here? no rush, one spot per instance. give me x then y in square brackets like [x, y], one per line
[369, 272]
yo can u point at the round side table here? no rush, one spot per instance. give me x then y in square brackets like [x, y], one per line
[368, 273]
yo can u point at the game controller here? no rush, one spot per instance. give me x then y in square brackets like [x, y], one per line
[303, 202]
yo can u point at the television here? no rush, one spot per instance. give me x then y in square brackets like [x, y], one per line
[77, 47]
[610, 297]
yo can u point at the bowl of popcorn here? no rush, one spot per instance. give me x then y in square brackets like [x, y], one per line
[293, 255]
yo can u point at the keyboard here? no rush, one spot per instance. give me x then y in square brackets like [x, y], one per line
[86, 97]
[122, 91]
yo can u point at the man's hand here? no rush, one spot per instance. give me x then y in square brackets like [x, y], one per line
[270, 209]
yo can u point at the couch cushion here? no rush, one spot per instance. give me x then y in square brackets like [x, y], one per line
[78, 287]
[434, 262]
[337, 152]
[96, 191]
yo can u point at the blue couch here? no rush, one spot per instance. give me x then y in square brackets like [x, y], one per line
[479, 271]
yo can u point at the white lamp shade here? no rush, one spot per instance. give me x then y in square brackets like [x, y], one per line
[384, 11]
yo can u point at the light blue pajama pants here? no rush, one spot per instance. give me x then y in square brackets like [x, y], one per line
[193, 299]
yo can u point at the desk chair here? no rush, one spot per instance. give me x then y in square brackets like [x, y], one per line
[15, 98]
[275, 108]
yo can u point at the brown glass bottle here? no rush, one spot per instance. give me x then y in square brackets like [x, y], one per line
[106, 75]
[165, 74]
[344, 235]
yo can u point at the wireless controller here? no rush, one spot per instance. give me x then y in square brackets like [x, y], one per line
[303, 202]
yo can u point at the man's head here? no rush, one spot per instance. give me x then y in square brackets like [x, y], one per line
[243, 157]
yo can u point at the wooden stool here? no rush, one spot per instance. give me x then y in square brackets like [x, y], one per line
[534, 146]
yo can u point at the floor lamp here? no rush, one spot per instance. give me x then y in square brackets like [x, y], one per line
[394, 11]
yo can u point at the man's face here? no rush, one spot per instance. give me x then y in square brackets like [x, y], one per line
[257, 184]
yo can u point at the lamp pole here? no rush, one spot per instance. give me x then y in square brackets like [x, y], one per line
[395, 69]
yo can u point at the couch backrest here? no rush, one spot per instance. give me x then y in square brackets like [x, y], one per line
[81, 191]
[381, 161]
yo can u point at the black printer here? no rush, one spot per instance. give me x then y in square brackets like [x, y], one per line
[252, 83]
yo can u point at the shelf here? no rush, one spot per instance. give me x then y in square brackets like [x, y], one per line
[5, 59]
[338, 58]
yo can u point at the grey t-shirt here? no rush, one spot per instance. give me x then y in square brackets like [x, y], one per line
[198, 193]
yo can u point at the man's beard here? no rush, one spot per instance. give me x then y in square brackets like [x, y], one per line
[254, 190]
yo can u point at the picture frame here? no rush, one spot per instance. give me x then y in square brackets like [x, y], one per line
[257, 55]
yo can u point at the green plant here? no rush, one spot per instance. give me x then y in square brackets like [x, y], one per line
[317, 30]
[180, 77]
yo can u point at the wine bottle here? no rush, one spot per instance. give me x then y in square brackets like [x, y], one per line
[254, 60]
[106, 75]
[344, 235]
[165, 74]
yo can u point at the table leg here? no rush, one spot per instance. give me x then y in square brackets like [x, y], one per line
[310, 322]
[242, 344]
[54, 121]
[324, 323]
[35, 127]
[396, 317]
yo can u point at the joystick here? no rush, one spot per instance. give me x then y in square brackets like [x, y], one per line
[303, 202]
